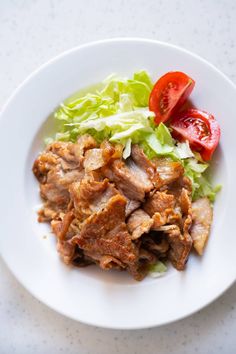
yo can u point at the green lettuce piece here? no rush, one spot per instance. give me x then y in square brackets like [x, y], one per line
[144, 77]
[183, 150]
[164, 136]
[127, 149]
[157, 269]
[161, 141]
[201, 186]
[140, 87]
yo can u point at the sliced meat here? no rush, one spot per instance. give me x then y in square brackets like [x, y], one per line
[43, 164]
[202, 220]
[66, 152]
[80, 259]
[71, 253]
[145, 164]
[84, 143]
[90, 196]
[105, 233]
[159, 219]
[60, 228]
[180, 245]
[131, 206]
[176, 187]
[161, 207]
[54, 184]
[66, 250]
[55, 190]
[145, 259]
[129, 178]
[71, 155]
[184, 201]
[141, 159]
[139, 223]
[156, 243]
[47, 213]
[93, 160]
[140, 175]
[168, 171]
[159, 202]
[64, 233]
[168, 216]
[108, 262]
[111, 152]
[56, 168]
[96, 158]
[178, 234]
[180, 249]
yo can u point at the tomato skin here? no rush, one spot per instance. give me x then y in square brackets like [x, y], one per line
[200, 128]
[169, 93]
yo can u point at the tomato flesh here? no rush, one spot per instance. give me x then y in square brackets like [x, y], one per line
[199, 128]
[169, 93]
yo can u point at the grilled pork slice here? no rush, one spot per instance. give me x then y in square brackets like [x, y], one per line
[145, 164]
[177, 234]
[185, 202]
[84, 143]
[180, 245]
[159, 202]
[161, 207]
[156, 243]
[61, 227]
[139, 223]
[131, 206]
[107, 262]
[93, 160]
[105, 233]
[90, 196]
[56, 169]
[132, 180]
[168, 171]
[72, 154]
[54, 186]
[99, 157]
[202, 220]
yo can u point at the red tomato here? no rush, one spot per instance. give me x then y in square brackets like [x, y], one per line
[169, 94]
[199, 128]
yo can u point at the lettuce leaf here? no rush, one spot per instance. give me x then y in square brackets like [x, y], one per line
[160, 141]
[127, 149]
[158, 269]
[201, 186]
[183, 151]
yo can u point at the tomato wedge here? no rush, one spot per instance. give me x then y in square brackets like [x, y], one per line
[169, 94]
[199, 128]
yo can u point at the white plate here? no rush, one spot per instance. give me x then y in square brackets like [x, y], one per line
[90, 295]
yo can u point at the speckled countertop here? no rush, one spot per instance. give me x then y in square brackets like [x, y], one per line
[33, 31]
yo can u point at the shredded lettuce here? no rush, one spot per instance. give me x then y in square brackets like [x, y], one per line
[160, 141]
[127, 149]
[117, 109]
[201, 185]
[183, 151]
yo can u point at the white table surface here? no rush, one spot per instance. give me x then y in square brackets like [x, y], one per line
[33, 31]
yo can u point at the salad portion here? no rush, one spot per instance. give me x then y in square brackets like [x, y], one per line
[124, 180]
